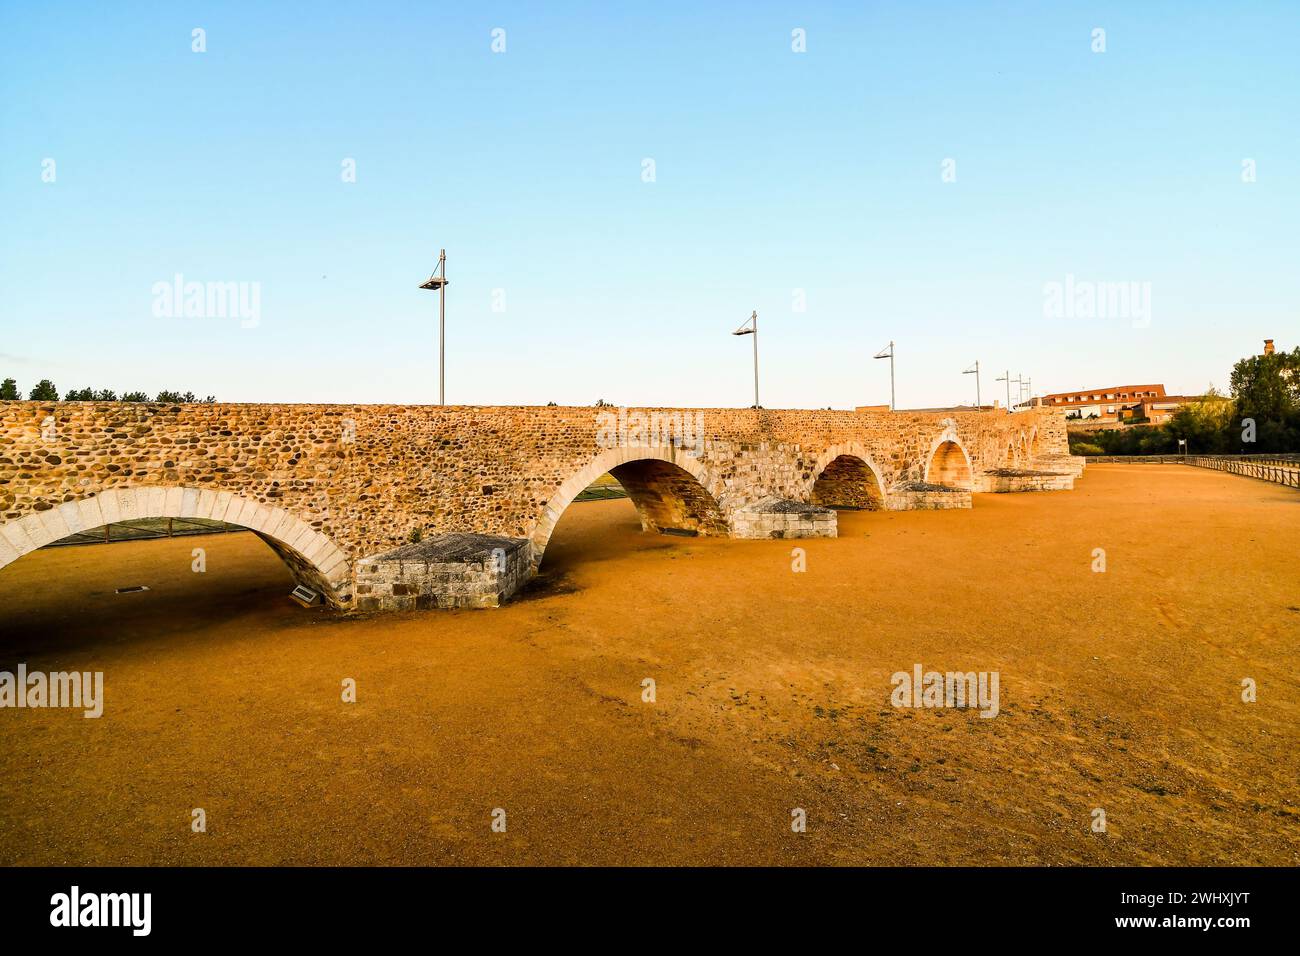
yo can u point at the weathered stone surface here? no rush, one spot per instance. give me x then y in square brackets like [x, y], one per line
[1003, 480]
[927, 496]
[782, 518]
[330, 485]
[451, 570]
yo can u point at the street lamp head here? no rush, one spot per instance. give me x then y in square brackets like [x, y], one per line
[435, 281]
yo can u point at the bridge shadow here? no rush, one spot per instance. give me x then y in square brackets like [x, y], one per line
[590, 534]
[64, 601]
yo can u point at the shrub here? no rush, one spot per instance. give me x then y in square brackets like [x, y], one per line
[44, 392]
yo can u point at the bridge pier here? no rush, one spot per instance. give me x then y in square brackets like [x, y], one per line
[779, 518]
[919, 496]
[445, 571]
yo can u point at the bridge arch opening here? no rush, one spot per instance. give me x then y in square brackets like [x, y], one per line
[669, 490]
[849, 482]
[312, 558]
[950, 466]
[669, 499]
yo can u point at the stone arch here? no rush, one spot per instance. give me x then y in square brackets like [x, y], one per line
[948, 462]
[312, 558]
[671, 490]
[1009, 459]
[846, 476]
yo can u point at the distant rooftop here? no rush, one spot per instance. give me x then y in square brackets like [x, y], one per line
[1111, 393]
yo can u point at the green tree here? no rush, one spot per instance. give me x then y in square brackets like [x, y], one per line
[177, 398]
[91, 395]
[1266, 389]
[134, 397]
[9, 391]
[1268, 384]
[1133, 440]
[1205, 424]
[44, 392]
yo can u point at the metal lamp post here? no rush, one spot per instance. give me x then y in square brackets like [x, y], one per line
[1006, 377]
[439, 281]
[975, 370]
[751, 328]
[888, 352]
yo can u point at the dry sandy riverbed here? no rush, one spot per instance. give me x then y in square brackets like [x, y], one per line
[1119, 691]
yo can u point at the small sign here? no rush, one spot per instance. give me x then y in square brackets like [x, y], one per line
[305, 595]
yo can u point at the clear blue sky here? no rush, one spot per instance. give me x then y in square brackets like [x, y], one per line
[774, 171]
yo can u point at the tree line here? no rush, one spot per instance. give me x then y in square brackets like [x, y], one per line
[1260, 416]
[47, 391]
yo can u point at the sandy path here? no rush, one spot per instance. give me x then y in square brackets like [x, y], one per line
[1118, 690]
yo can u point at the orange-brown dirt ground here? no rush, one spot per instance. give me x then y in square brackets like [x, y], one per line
[1119, 690]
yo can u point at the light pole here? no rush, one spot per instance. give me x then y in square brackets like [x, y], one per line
[1006, 377]
[751, 328]
[888, 352]
[439, 281]
[975, 370]
[1020, 387]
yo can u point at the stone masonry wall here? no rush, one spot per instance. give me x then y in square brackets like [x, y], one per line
[356, 480]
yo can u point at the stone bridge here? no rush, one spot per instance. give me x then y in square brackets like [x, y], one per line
[395, 506]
